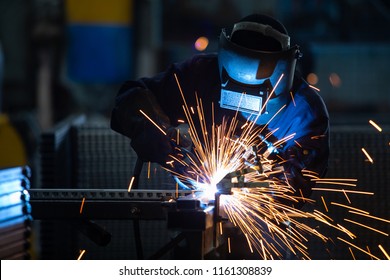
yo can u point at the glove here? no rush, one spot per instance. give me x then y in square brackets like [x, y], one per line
[151, 143]
[294, 162]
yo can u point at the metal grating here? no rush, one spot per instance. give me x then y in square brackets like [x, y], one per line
[348, 161]
[104, 159]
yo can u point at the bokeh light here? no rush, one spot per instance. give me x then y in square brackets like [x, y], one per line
[312, 78]
[335, 80]
[201, 43]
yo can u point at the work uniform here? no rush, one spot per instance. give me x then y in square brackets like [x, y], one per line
[305, 116]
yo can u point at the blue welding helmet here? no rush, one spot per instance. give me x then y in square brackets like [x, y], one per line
[252, 57]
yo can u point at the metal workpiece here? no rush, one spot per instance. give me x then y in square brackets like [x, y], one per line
[190, 213]
[99, 204]
[184, 212]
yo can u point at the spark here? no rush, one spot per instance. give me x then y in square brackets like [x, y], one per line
[369, 216]
[131, 184]
[272, 91]
[323, 202]
[360, 249]
[346, 196]
[81, 255]
[249, 242]
[220, 229]
[375, 125]
[384, 252]
[149, 163]
[349, 207]
[82, 205]
[153, 122]
[368, 250]
[229, 247]
[317, 136]
[342, 190]
[365, 226]
[350, 250]
[292, 98]
[367, 155]
[296, 142]
[313, 87]
[335, 181]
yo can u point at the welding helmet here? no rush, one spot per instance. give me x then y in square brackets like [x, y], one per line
[253, 56]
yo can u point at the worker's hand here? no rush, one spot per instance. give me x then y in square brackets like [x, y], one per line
[152, 145]
[147, 127]
[181, 136]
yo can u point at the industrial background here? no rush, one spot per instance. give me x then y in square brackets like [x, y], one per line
[62, 63]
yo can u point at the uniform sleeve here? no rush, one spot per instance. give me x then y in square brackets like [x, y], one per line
[307, 153]
[158, 97]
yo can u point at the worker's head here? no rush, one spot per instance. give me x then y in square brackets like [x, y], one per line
[253, 56]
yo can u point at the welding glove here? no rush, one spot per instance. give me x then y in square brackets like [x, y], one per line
[293, 160]
[148, 141]
[181, 136]
[183, 158]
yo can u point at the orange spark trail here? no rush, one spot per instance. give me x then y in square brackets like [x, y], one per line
[153, 122]
[81, 255]
[349, 207]
[365, 226]
[367, 155]
[131, 184]
[375, 125]
[342, 190]
[370, 216]
[360, 249]
[292, 98]
[323, 202]
[82, 205]
[149, 169]
[317, 89]
[384, 252]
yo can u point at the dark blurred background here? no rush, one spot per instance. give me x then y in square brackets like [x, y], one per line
[63, 58]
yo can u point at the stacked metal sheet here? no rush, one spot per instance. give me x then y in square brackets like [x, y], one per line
[15, 213]
[56, 238]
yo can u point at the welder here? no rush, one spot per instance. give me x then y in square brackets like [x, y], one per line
[253, 73]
